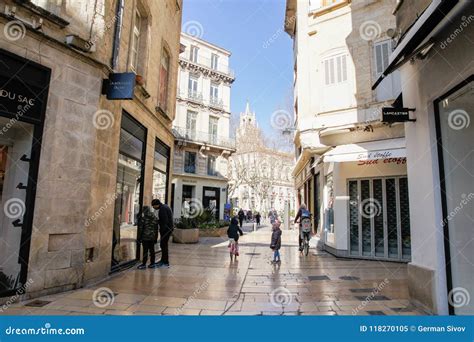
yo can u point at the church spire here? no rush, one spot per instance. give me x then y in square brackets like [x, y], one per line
[247, 108]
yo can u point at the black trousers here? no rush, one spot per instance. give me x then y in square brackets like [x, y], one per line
[148, 248]
[164, 238]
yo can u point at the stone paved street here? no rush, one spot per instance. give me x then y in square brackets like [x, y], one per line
[203, 281]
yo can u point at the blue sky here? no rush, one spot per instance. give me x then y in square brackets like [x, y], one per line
[261, 51]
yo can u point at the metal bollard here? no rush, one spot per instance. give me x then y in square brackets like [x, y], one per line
[254, 227]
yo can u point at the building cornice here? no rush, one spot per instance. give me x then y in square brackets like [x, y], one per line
[214, 75]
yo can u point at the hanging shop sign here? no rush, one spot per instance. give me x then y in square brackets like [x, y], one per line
[391, 114]
[24, 87]
[119, 86]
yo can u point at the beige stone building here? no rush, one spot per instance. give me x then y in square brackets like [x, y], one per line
[201, 127]
[260, 176]
[351, 167]
[81, 155]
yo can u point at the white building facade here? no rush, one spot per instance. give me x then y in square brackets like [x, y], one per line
[351, 168]
[438, 81]
[260, 176]
[201, 127]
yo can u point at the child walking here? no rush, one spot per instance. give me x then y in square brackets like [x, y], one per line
[234, 232]
[276, 241]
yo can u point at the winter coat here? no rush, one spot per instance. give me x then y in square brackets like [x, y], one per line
[234, 231]
[276, 239]
[147, 226]
[165, 216]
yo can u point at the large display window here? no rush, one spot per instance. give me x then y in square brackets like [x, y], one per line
[129, 191]
[455, 149]
[161, 171]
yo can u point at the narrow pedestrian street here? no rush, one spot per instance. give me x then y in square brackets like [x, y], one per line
[203, 281]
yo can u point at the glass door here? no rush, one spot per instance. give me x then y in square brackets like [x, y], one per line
[15, 151]
[379, 221]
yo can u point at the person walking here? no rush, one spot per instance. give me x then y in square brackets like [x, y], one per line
[147, 235]
[241, 216]
[233, 233]
[258, 217]
[275, 244]
[165, 220]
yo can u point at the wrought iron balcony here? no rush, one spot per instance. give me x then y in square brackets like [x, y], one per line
[216, 102]
[184, 134]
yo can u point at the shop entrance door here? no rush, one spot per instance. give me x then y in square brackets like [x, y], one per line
[211, 200]
[379, 220]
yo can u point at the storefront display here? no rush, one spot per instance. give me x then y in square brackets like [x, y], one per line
[130, 173]
[379, 224]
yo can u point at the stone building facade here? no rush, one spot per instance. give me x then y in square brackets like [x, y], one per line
[351, 167]
[201, 127]
[260, 176]
[77, 166]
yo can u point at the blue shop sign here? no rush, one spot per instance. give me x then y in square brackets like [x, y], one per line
[120, 86]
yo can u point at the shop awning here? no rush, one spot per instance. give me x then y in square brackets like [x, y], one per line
[381, 149]
[419, 36]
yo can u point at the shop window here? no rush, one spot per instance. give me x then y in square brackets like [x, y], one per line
[160, 171]
[164, 80]
[379, 223]
[128, 191]
[189, 162]
[455, 129]
[14, 143]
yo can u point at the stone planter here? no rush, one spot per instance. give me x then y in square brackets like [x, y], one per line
[218, 232]
[186, 235]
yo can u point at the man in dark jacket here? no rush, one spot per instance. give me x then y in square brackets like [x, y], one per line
[165, 218]
[241, 216]
[147, 236]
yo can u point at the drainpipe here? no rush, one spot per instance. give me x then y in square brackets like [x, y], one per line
[117, 33]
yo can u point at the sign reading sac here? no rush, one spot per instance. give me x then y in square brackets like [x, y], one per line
[120, 86]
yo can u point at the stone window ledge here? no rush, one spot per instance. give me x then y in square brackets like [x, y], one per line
[42, 12]
[326, 9]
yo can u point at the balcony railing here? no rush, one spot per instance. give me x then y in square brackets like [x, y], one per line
[216, 102]
[206, 62]
[185, 134]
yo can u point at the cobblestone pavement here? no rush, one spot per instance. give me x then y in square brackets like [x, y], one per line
[203, 281]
